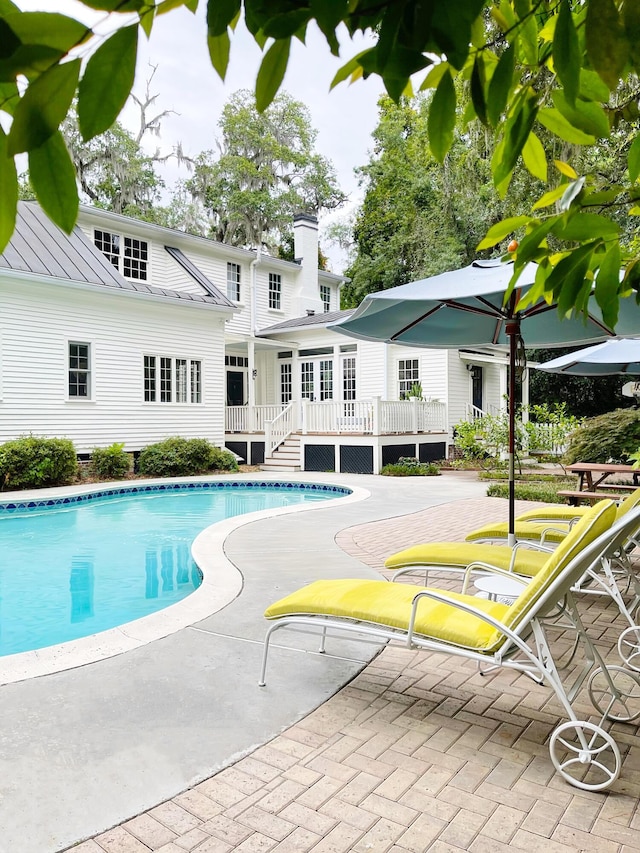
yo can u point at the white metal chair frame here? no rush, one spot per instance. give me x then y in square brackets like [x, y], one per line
[575, 746]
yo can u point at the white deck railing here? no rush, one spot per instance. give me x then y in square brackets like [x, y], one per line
[366, 417]
[250, 419]
[280, 428]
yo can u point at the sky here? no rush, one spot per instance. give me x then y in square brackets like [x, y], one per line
[187, 84]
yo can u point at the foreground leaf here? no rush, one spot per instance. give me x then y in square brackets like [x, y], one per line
[271, 73]
[8, 192]
[54, 180]
[442, 118]
[43, 107]
[107, 82]
[566, 52]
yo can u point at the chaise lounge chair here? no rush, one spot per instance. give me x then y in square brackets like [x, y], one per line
[472, 558]
[493, 633]
[547, 526]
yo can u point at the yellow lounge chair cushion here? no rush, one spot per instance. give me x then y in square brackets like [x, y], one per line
[382, 603]
[554, 512]
[462, 554]
[533, 530]
[523, 530]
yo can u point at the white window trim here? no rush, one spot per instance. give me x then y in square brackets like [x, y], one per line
[174, 383]
[120, 267]
[90, 398]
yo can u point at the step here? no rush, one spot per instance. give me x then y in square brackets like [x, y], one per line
[276, 466]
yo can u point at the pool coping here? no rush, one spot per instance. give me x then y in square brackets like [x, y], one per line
[221, 583]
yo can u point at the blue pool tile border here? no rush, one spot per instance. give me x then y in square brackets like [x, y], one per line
[9, 508]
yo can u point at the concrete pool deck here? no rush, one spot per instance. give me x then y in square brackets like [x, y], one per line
[415, 753]
[86, 748]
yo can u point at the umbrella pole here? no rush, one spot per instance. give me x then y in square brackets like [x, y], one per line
[512, 331]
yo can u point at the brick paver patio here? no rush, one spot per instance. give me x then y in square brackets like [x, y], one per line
[419, 752]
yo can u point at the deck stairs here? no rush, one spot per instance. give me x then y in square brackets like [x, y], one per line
[286, 457]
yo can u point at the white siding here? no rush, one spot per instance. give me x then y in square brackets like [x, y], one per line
[38, 320]
[492, 397]
[459, 389]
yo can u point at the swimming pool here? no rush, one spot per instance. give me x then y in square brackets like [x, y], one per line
[78, 565]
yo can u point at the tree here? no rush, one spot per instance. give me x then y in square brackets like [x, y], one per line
[266, 170]
[113, 171]
[421, 217]
[514, 53]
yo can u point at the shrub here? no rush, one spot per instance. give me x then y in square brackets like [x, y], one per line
[110, 463]
[223, 460]
[180, 457]
[612, 437]
[32, 462]
[527, 492]
[408, 466]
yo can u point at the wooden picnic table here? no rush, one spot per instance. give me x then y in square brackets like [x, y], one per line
[592, 485]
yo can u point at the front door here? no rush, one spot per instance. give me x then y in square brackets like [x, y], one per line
[316, 380]
[235, 388]
[476, 387]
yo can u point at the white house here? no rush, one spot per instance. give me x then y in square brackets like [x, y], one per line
[127, 331]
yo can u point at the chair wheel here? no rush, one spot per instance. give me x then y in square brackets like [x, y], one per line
[585, 755]
[629, 647]
[622, 704]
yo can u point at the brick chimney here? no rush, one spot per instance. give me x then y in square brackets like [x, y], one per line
[306, 296]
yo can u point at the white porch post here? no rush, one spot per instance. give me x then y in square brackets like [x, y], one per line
[303, 416]
[251, 351]
[375, 427]
[338, 384]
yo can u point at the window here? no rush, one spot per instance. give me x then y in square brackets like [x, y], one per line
[408, 376]
[349, 378]
[150, 378]
[181, 380]
[326, 380]
[233, 282]
[128, 255]
[196, 382]
[172, 380]
[325, 295]
[275, 290]
[306, 380]
[136, 255]
[285, 383]
[109, 245]
[79, 371]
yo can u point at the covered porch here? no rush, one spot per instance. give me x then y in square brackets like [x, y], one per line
[354, 436]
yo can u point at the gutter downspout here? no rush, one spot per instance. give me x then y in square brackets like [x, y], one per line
[251, 354]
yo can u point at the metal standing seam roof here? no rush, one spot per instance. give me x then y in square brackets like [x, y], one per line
[38, 246]
[321, 319]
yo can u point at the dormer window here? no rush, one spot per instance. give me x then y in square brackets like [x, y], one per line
[325, 295]
[129, 255]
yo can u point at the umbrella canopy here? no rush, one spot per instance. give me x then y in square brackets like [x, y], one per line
[465, 308]
[618, 355]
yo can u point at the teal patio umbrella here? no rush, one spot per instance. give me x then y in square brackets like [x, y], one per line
[465, 308]
[618, 355]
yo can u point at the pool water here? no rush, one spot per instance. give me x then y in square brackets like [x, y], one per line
[74, 569]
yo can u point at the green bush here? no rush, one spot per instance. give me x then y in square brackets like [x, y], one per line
[408, 466]
[110, 463]
[545, 492]
[223, 460]
[181, 457]
[613, 437]
[31, 462]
